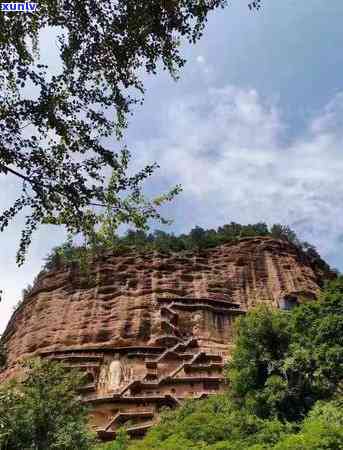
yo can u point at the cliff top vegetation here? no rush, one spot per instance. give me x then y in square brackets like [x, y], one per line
[197, 239]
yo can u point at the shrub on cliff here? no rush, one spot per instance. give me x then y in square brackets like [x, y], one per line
[43, 412]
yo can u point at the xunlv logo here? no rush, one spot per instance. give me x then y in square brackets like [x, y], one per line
[14, 7]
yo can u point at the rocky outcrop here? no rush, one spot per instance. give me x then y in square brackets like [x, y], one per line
[152, 329]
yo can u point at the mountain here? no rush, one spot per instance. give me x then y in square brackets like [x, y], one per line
[151, 329]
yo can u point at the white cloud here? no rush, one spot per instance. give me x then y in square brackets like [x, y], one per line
[226, 148]
[203, 71]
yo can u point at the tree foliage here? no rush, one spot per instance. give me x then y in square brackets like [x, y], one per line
[217, 424]
[121, 441]
[284, 362]
[56, 124]
[205, 424]
[43, 412]
[106, 238]
[321, 430]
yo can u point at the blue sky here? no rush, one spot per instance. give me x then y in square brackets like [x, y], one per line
[252, 130]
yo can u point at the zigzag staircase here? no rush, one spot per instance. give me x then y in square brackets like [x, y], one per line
[181, 371]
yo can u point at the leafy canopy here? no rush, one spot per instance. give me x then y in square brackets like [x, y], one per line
[44, 411]
[217, 424]
[56, 125]
[106, 238]
[283, 362]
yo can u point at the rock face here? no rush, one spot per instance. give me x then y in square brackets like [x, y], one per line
[152, 329]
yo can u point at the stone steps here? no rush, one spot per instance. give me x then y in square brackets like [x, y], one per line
[122, 417]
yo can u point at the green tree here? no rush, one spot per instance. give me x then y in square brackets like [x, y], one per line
[120, 443]
[284, 232]
[218, 424]
[209, 424]
[54, 123]
[106, 237]
[283, 362]
[43, 412]
[321, 430]
[197, 237]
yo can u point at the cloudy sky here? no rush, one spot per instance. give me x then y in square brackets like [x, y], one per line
[252, 130]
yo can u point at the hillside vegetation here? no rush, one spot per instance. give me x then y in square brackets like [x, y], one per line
[197, 239]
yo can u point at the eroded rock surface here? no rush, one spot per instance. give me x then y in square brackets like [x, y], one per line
[152, 329]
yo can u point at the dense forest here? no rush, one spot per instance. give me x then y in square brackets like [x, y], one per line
[285, 386]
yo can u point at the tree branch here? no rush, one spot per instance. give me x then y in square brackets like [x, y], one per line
[14, 172]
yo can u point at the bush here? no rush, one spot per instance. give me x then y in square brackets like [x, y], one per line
[121, 442]
[206, 423]
[218, 424]
[321, 430]
[284, 362]
[26, 292]
[43, 412]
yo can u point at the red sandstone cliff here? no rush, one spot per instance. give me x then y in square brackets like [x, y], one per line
[151, 329]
